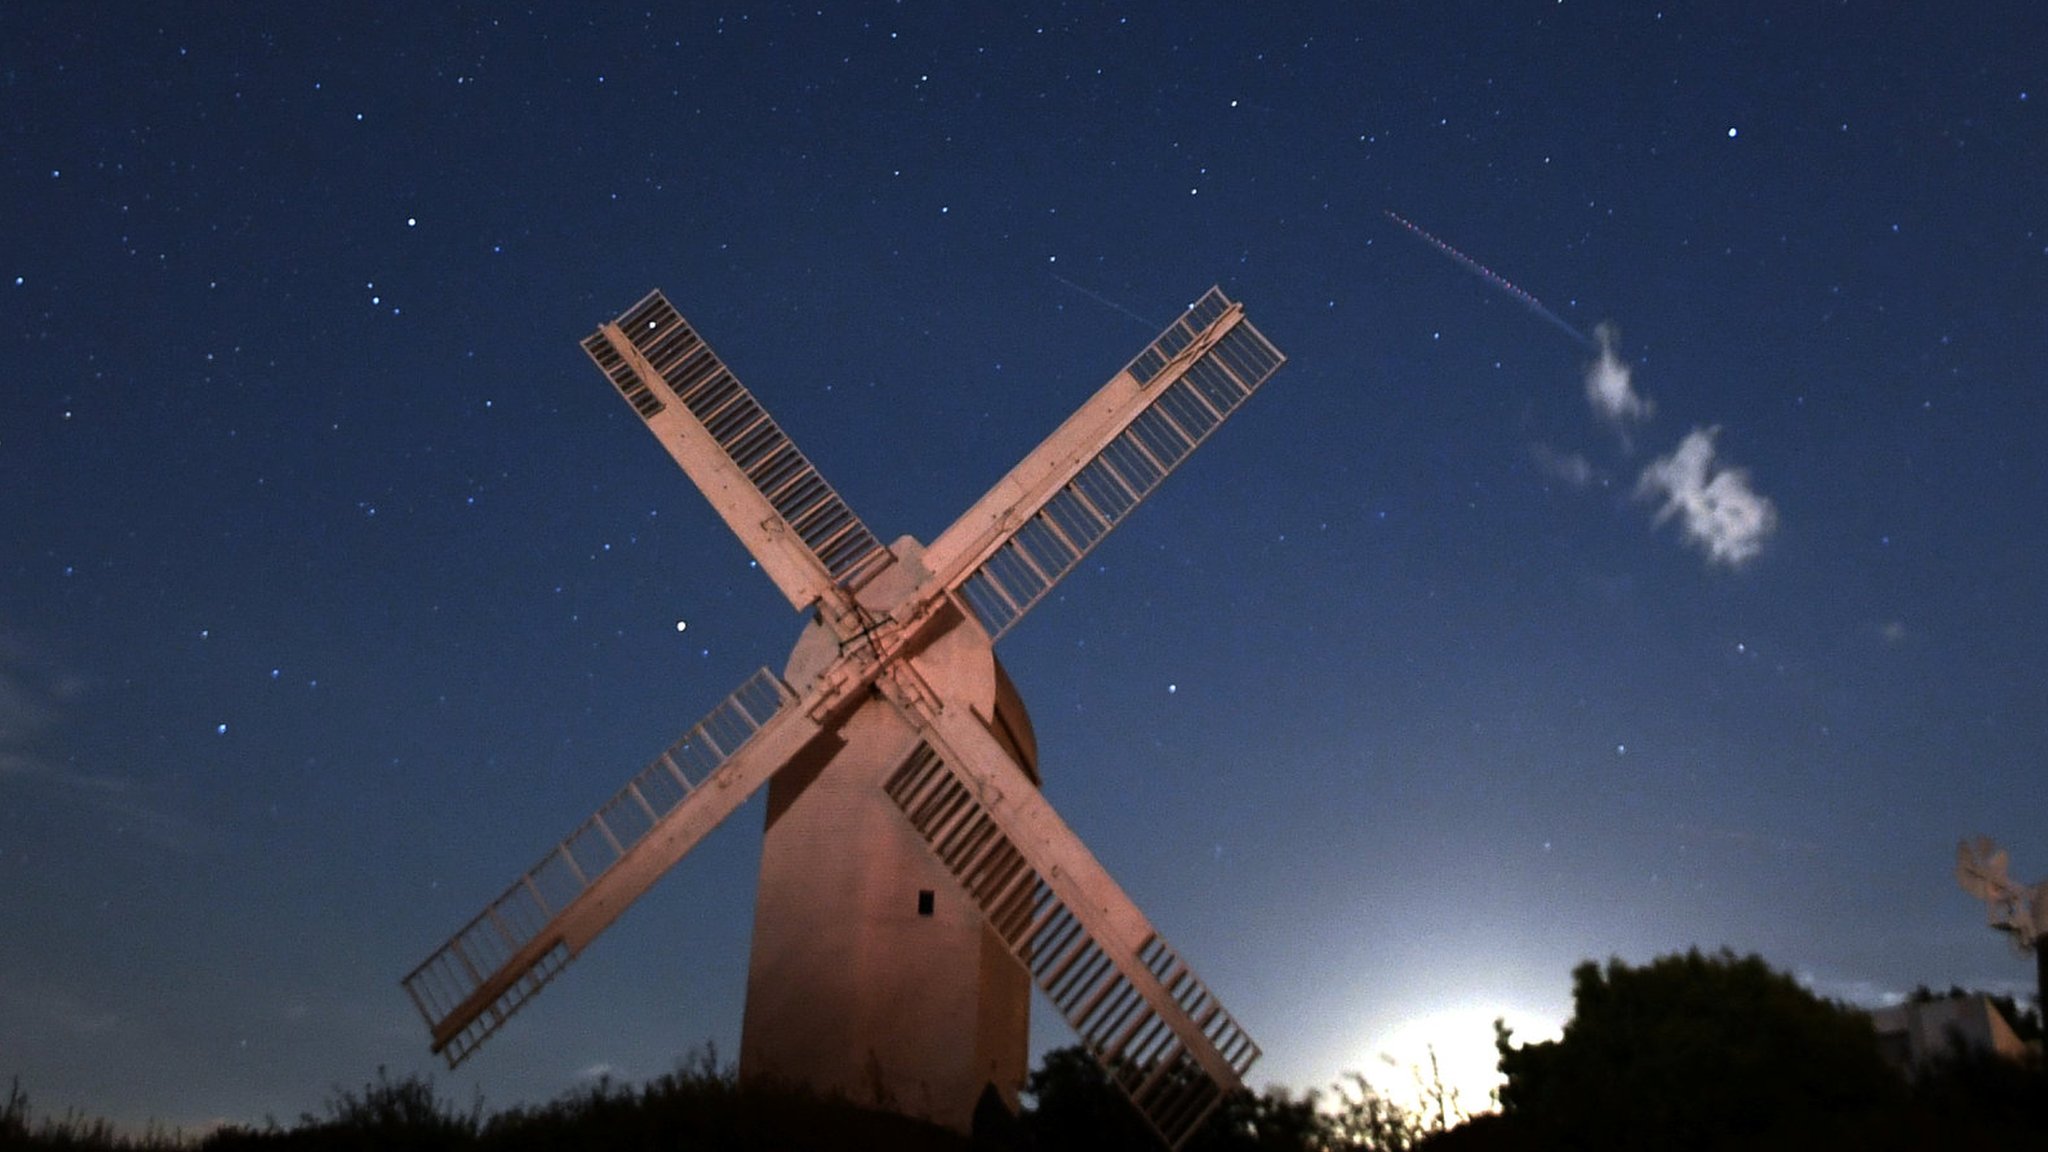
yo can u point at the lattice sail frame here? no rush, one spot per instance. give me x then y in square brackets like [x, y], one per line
[1138, 1048]
[810, 542]
[487, 971]
[1066, 526]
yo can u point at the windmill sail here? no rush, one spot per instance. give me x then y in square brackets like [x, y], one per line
[473, 983]
[1041, 519]
[1139, 1010]
[805, 537]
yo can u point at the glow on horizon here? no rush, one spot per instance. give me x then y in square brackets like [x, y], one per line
[1396, 1061]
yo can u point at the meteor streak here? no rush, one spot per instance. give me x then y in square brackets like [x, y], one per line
[1491, 277]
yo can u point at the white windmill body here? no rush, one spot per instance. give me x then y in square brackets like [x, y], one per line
[914, 881]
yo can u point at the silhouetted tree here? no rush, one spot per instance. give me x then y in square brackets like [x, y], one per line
[1073, 1105]
[1691, 1052]
[1273, 1121]
[14, 1117]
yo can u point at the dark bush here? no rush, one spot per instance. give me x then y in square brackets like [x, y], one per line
[1692, 1052]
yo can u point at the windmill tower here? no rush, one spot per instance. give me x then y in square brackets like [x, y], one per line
[914, 881]
[2014, 909]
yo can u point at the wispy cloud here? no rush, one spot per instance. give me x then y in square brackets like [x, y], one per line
[16, 764]
[29, 709]
[1609, 388]
[1567, 467]
[33, 703]
[1719, 509]
[24, 713]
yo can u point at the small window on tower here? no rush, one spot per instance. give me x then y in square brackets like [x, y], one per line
[924, 902]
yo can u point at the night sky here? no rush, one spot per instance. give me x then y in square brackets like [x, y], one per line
[336, 583]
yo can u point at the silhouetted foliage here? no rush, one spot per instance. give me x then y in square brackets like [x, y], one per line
[1071, 1104]
[1993, 1101]
[699, 1106]
[1687, 1052]
[14, 1118]
[1274, 1121]
[1367, 1121]
[19, 1129]
[402, 1115]
[1691, 1052]
[1723, 1053]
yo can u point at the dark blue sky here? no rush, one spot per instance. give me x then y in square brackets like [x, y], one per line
[337, 583]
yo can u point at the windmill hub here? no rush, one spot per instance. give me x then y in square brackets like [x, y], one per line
[914, 882]
[880, 619]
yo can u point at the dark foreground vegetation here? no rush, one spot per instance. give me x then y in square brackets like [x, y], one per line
[1699, 1053]
[1690, 1053]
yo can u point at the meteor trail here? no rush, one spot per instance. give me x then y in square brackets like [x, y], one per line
[1491, 277]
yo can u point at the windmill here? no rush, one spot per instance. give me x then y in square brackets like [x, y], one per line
[914, 882]
[2018, 911]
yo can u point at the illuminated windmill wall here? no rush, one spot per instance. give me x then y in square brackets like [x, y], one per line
[914, 882]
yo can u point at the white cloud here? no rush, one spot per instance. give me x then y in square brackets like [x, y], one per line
[1608, 388]
[1720, 510]
[1722, 513]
